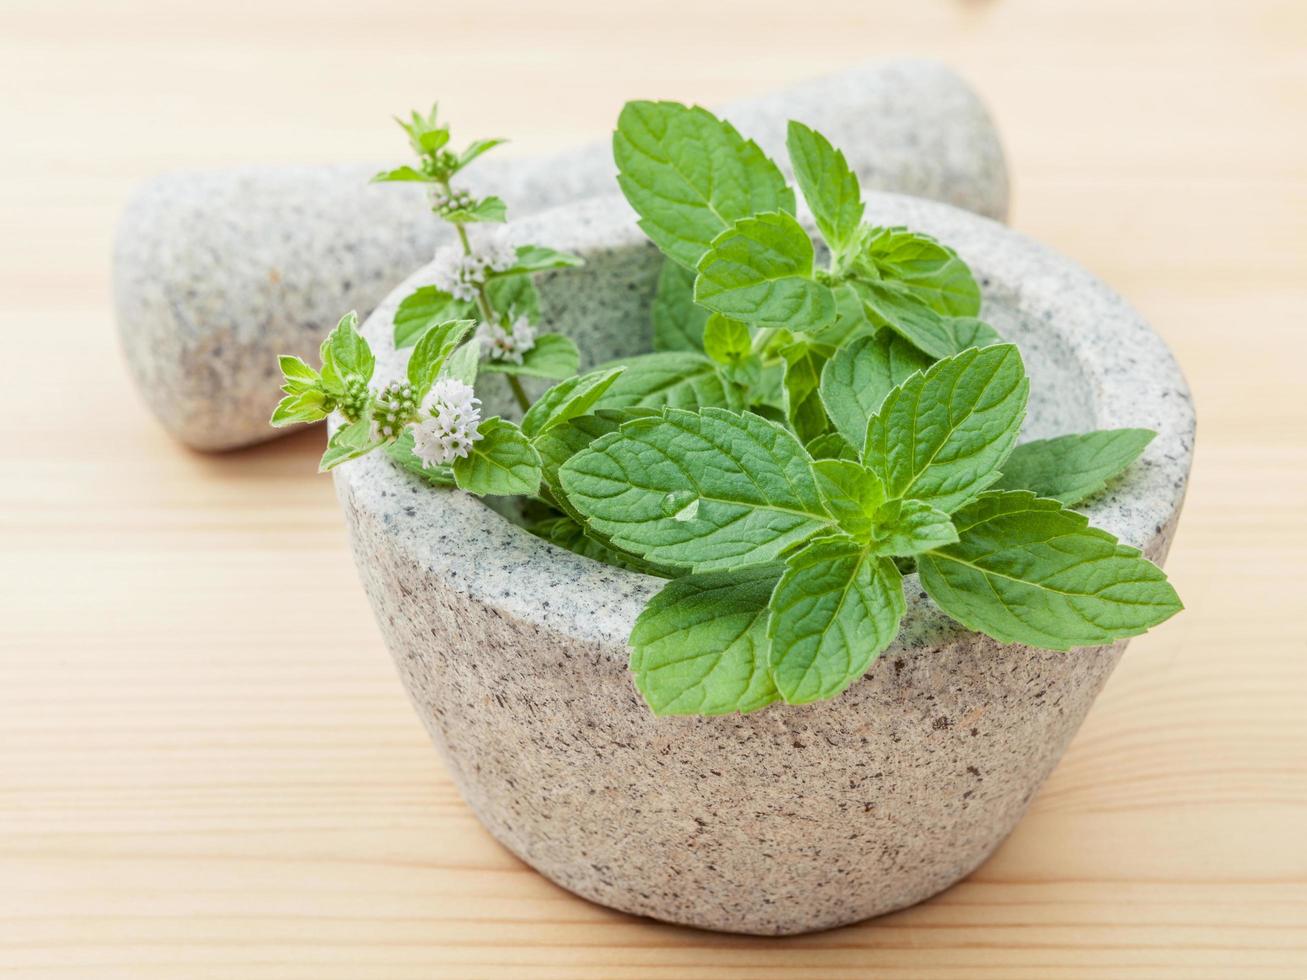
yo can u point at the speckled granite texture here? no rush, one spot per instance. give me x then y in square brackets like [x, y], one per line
[791, 819]
[217, 273]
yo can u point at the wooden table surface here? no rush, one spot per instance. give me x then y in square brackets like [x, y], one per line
[207, 765]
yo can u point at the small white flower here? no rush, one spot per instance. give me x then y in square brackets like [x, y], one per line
[461, 275]
[501, 344]
[448, 426]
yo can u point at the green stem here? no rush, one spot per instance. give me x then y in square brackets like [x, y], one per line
[488, 316]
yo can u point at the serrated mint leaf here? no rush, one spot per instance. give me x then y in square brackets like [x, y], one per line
[710, 490]
[856, 380]
[502, 462]
[476, 148]
[299, 376]
[678, 321]
[852, 493]
[804, 363]
[345, 354]
[832, 445]
[1026, 570]
[968, 331]
[514, 296]
[432, 348]
[423, 308]
[568, 399]
[566, 532]
[903, 528]
[759, 271]
[725, 340]
[463, 364]
[941, 436]
[679, 379]
[401, 451]
[834, 610]
[932, 273]
[829, 186]
[487, 209]
[400, 174]
[553, 356]
[891, 304]
[850, 321]
[700, 645]
[689, 175]
[537, 258]
[309, 405]
[1073, 468]
[349, 442]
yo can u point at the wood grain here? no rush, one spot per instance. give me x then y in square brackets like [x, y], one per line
[207, 766]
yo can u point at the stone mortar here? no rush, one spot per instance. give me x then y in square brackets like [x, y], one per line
[215, 273]
[791, 819]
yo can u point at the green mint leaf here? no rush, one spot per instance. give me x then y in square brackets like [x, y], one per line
[476, 148]
[502, 462]
[832, 445]
[700, 645]
[1026, 570]
[829, 186]
[804, 363]
[298, 375]
[850, 321]
[567, 400]
[346, 354]
[725, 340]
[304, 406]
[513, 296]
[402, 174]
[425, 134]
[971, 332]
[401, 451]
[487, 209]
[759, 270]
[942, 435]
[834, 610]
[678, 321]
[852, 494]
[903, 528]
[538, 258]
[566, 532]
[349, 442]
[932, 273]
[463, 364]
[424, 307]
[689, 175]
[711, 490]
[429, 354]
[1073, 468]
[890, 303]
[553, 356]
[856, 380]
[676, 379]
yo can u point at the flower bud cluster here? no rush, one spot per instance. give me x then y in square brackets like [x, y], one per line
[355, 401]
[395, 407]
[446, 203]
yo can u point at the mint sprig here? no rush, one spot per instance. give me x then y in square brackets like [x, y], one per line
[803, 436]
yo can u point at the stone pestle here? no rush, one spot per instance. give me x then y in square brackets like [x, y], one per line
[215, 273]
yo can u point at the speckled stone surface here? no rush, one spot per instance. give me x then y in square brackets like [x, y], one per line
[216, 273]
[790, 819]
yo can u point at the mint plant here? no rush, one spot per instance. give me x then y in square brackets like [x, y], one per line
[820, 416]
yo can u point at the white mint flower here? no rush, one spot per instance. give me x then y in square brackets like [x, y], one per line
[500, 344]
[448, 425]
[461, 275]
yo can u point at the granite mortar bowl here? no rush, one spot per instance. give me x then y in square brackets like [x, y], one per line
[790, 819]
